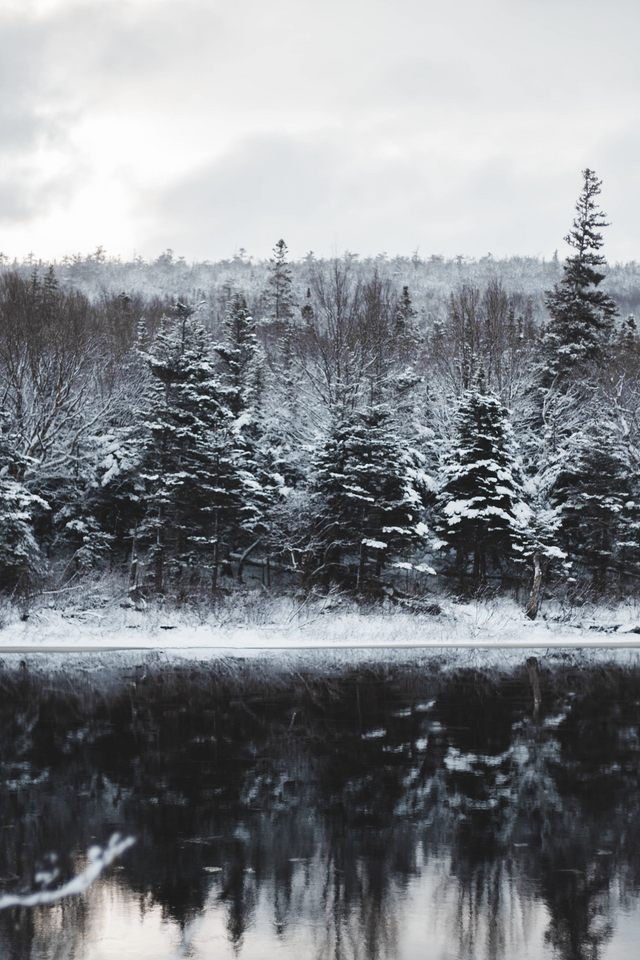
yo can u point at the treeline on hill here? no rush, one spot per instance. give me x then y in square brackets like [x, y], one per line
[343, 431]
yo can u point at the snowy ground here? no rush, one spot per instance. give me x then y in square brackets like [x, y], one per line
[327, 631]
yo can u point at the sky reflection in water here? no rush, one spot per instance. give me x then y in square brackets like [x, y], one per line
[385, 814]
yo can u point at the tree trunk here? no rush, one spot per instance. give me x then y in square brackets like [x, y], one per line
[476, 568]
[361, 565]
[534, 596]
[159, 557]
[244, 557]
[133, 569]
[214, 577]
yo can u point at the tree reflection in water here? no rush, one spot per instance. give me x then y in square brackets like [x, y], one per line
[331, 799]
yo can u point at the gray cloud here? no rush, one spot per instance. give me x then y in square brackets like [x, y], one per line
[456, 128]
[21, 75]
[317, 197]
[54, 69]
[265, 185]
[25, 124]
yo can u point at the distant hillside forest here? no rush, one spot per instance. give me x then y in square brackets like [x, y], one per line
[390, 427]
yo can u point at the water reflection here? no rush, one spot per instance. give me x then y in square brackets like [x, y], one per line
[385, 814]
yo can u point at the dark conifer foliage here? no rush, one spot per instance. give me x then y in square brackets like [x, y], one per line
[592, 490]
[279, 296]
[279, 329]
[241, 356]
[193, 462]
[482, 510]
[369, 493]
[581, 315]
[20, 556]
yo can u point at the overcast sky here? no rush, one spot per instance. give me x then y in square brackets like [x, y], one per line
[369, 125]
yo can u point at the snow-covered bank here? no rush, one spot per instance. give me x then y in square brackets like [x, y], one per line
[323, 636]
[282, 626]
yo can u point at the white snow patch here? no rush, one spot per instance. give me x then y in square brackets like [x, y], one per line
[374, 734]
[461, 763]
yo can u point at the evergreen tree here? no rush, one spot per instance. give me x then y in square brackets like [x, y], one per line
[581, 315]
[241, 357]
[280, 330]
[369, 491]
[591, 488]
[245, 375]
[279, 296]
[20, 557]
[481, 500]
[406, 334]
[19, 551]
[194, 465]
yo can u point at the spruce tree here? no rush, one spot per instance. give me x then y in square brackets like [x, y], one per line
[406, 334]
[197, 478]
[581, 315]
[244, 372]
[591, 487]
[20, 558]
[241, 357]
[280, 330]
[369, 494]
[279, 294]
[481, 504]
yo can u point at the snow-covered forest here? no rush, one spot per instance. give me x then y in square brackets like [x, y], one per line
[391, 427]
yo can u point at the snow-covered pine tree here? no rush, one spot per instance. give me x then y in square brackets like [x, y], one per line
[581, 315]
[406, 333]
[591, 488]
[280, 330]
[244, 372]
[241, 357]
[20, 557]
[193, 466]
[481, 503]
[369, 492]
[279, 297]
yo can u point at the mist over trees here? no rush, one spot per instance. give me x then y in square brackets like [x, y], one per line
[393, 427]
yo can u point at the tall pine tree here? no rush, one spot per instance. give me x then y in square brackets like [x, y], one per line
[581, 315]
[279, 294]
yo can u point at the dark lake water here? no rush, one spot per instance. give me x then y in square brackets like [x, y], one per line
[384, 813]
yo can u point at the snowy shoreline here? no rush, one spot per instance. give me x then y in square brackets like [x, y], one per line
[251, 623]
[55, 643]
